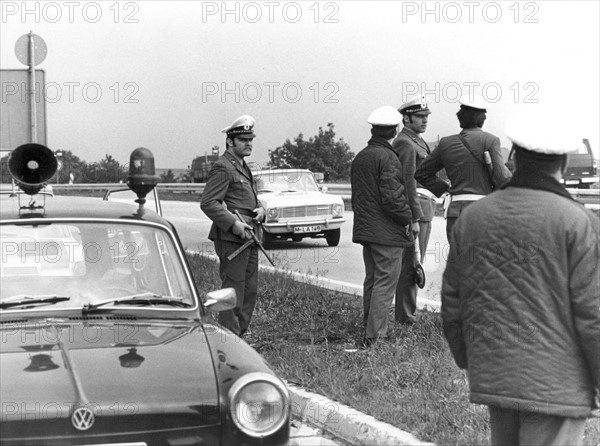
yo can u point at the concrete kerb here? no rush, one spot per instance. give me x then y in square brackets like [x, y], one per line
[346, 423]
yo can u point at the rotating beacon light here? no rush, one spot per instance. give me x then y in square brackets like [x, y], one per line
[142, 178]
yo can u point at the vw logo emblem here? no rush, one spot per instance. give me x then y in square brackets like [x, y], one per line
[83, 418]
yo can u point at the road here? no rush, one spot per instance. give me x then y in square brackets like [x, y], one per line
[341, 266]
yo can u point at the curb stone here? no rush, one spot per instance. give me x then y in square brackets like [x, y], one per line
[346, 423]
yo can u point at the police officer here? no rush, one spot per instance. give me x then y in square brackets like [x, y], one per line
[412, 150]
[230, 187]
[472, 160]
[382, 219]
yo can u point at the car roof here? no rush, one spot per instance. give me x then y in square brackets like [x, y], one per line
[65, 207]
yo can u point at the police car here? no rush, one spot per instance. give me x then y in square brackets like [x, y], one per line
[105, 338]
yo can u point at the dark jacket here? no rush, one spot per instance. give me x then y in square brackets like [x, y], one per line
[379, 202]
[520, 301]
[229, 187]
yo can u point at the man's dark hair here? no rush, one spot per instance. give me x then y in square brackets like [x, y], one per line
[470, 118]
[526, 160]
[385, 132]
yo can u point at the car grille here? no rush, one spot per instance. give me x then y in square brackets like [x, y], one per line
[306, 211]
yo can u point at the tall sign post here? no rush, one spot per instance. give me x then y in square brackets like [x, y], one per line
[31, 50]
[23, 119]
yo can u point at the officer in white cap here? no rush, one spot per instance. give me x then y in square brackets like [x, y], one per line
[520, 300]
[472, 159]
[382, 219]
[412, 150]
[230, 187]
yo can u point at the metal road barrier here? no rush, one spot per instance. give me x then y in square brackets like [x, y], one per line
[590, 197]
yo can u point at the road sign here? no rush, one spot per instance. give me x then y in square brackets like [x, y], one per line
[22, 49]
[15, 113]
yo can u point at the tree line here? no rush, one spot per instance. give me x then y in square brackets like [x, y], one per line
[320, 153]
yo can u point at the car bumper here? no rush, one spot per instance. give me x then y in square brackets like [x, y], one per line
[304, 226]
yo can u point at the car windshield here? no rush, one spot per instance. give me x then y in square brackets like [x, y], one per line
[81, 263]
[292, 181]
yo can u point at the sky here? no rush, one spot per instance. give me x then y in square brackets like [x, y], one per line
[169, 76]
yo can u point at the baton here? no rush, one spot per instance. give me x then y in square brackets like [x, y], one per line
[255, 239]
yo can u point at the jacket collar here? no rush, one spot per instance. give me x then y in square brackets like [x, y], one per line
[238, 164]
[416, 138]
[379, 141]
[534, 179]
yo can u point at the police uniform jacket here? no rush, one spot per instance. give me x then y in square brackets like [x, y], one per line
[467, 171]
[412, 150]
[379, 201]
[229, 187]
[520, 301]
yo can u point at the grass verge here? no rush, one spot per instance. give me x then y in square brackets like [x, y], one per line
[410, 381]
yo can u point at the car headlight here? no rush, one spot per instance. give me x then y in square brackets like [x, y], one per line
[259, 404]
[273, 214]
[337, 210]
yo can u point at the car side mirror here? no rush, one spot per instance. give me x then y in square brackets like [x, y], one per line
[221, 300]
[324, 189]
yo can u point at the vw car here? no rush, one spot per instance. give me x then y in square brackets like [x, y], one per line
[105, 338]
[297, 208]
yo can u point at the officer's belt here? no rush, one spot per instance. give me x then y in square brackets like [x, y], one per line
[425, 193]
[245, 212]
[459, 197]
[467, 197]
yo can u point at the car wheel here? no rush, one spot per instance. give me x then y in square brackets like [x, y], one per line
[333, 237]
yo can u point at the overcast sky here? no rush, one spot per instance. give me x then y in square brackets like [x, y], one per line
[170, 75]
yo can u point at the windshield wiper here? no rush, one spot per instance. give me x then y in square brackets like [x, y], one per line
[22, 299]
[140, 299]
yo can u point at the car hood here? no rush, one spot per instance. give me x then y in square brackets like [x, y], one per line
[288, 199]
[134, 376]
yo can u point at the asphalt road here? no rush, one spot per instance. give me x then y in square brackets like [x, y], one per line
[341, 265]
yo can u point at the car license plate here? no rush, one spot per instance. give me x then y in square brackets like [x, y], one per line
[307, 228]
[572, 182]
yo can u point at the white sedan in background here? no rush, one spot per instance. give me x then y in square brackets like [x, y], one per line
[297, 208]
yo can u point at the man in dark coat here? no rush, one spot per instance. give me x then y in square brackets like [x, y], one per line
[472, 159]
[412, 150]
[382, 219]
[520, 299]
[230, 187]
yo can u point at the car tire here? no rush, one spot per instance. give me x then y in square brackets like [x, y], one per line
[333, 237]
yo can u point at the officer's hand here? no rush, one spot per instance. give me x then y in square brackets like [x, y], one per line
[415, 228]
[260, 214]
[239, 229]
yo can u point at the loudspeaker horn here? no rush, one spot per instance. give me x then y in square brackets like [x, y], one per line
[32, 165]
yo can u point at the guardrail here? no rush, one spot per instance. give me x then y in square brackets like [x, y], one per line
[587, 196]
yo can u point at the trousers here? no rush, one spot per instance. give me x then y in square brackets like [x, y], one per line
[241, 274]
[521, 428]
[382, 271]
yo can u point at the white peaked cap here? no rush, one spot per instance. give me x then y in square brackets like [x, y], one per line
[243, 124]
[537, 131]
[474, 101]
[385, 116]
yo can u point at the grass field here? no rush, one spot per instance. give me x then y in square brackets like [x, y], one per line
[410, 381]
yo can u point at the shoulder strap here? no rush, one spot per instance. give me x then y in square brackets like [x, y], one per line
[488, 167]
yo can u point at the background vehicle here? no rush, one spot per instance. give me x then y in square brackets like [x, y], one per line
[296, 208]
[582, 168]
[105, 338]
[201, 166]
